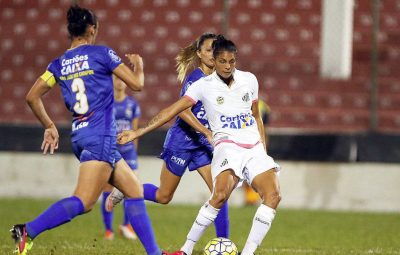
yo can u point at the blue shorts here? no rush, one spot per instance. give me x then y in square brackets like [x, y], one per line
[178, 161]
[130, 158]
[97, 147]
[128, 152]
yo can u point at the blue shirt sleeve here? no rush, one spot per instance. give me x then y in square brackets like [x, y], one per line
[112, 60]
[194, 76]
[53, 69]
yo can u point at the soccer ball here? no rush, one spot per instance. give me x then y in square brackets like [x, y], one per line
[220, 246]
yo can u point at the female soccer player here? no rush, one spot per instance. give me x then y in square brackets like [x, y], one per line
[230, 98]
[184, 147]
[127, 114]
[84, 73]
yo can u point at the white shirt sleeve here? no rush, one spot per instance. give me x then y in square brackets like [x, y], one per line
[254, 88]
[194, 92]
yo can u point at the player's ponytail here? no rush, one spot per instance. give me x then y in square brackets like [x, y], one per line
[187, 56]
[222, 44]
[79, 19]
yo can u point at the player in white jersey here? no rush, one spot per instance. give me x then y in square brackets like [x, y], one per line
[230, 98]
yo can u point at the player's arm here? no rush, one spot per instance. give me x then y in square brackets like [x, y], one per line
[135, 126]
[189, 118]
[34, 99]
[160, 119]
[257, 117]
[134, 79]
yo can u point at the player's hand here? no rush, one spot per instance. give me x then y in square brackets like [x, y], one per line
[209, 137]
[50, 139]
[127, 136]
[135, 60]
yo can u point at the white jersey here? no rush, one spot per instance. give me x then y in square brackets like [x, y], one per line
[228, 109]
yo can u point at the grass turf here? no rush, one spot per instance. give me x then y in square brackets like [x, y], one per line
[293, 231]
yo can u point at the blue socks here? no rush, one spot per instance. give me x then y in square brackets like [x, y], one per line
[221, 223]
[149, 192]
[126, 217]
[57, 214]
[140, 221]
[107, 216]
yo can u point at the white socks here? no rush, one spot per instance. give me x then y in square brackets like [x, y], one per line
[206, 216]
[261, 223]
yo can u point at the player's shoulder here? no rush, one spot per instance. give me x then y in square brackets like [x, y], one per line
[244, 74]
[53, 63]
[210, 78]
[194, 76]
[201, 82]
[101, 49]
[98, 47]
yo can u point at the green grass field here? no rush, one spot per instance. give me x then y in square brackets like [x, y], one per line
[293, 231]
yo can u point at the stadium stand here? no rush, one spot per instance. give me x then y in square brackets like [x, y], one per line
[278, 40]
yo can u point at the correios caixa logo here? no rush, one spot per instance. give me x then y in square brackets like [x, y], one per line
[239, 121]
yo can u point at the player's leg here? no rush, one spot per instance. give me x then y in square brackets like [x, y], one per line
[266, 183]
[222, 221]
[224, 184]
[173, 168]
[126, 229]
[107, 216]
[124, 180]
[92, 177]
[168, 184]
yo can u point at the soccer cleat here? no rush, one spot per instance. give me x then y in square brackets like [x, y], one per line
[108, 235]
[113, 199]
[23, 241]
[174, 253]
[127, 232]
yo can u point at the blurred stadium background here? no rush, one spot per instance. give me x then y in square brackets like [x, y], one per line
[335, 131]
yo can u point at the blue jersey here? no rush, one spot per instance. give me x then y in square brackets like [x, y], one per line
[84, 75]
[181, 136]
[125, 112]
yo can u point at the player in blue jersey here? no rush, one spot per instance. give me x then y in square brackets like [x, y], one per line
[84, 73]
[127, 114]
[184, 147]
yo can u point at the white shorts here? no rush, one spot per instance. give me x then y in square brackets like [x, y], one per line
[246, 163]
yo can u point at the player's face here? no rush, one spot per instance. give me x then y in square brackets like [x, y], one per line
[205, 53]
[225, 63]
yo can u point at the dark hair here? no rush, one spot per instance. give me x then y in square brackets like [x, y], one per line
[202, 38]
[187, 56]
[79, 19]
[222, 44]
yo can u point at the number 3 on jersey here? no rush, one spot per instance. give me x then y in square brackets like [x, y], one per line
[78, 87]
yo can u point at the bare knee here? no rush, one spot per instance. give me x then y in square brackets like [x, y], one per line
[218, 198]
[87, 202]
[134, 191]
[272, 199]
[164, 198]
